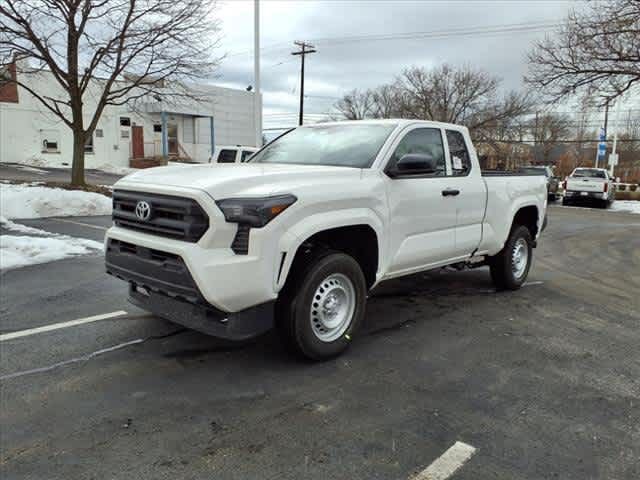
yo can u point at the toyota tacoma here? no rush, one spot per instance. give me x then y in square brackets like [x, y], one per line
[298, 236]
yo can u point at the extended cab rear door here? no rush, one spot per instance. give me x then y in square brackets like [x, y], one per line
[471, 200]
[422, 212]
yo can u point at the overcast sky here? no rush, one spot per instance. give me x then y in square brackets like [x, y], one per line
[340, 66]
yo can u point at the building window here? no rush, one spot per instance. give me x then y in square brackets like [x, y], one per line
[189, 133]
[50, 141]
[88, 144]
[99, 133]
[157, 128]
[125, 122]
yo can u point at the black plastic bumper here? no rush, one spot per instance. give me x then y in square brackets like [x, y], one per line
[161, 283]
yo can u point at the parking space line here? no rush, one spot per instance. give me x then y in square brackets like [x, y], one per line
[58, 326]
[448, 463]
[88, 225]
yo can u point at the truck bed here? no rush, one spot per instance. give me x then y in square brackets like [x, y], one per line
[509, 173]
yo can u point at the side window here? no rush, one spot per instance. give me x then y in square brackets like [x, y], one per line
[422, 140]
[460, 159]
[245, 155]
[227, 156]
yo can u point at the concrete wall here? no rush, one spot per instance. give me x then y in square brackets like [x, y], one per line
[26, 124]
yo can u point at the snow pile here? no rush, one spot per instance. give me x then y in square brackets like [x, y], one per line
[25, 201]
[629, 206]
[20, 251]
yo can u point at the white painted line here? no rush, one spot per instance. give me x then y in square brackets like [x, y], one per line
[57, 326]
[529, 284]
[97, 227]
[448, 463]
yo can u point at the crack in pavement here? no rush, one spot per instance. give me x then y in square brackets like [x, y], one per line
[89, 356]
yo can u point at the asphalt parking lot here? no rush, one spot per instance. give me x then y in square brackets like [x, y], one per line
[543, 382]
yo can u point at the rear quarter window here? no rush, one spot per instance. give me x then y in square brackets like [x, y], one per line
[227, 156]
[458, 153]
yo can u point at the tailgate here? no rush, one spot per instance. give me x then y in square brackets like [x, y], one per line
[585, 184]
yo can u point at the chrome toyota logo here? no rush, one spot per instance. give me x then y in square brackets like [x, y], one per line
[143, 210]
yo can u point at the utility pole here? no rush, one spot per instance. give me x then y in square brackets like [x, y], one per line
[257, 103]
[305, 48]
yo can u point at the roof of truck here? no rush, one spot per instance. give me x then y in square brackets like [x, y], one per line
[401, 122]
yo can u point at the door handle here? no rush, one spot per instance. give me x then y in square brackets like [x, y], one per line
[450, 192]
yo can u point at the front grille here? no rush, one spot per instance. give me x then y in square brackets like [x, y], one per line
[155, 270]
[173, 217]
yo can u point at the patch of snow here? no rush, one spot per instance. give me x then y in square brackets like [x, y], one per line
[630, 206]
[20, 251]
[18, 227]
[108, 168]
[27, 201]
[39, 171]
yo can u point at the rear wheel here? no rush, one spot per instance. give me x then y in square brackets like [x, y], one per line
[322, 305]
[510, 267]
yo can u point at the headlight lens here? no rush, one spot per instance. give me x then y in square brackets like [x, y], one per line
[255, 212]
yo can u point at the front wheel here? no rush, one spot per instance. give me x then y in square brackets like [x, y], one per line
[510, 267]
[322, 305]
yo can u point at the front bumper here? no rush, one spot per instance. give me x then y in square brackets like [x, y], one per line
[161, 283]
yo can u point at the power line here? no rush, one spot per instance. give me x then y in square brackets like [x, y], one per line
[452, 31]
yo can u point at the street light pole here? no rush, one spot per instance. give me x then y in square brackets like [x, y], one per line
[257, 100]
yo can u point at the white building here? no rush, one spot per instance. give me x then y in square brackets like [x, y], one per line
[29, 133]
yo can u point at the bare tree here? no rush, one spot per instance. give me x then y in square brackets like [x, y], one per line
[356, 105]
[548, 130]
[458, 95]
[387, 100]
[595, 52]
[116, 51]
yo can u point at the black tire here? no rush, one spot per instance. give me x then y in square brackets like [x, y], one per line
[552, 197]
[296, 304]
[565, 202]
[502, 264]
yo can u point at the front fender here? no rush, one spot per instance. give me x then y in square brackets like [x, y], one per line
[298, 233]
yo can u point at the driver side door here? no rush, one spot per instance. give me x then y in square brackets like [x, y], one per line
[422, 206]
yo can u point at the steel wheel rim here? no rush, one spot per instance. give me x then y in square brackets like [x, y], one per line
[332, 307]
[519, 258]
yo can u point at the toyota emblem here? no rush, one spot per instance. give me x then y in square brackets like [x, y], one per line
[143, 210]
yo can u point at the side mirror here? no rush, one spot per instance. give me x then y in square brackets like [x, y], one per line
[414, 163]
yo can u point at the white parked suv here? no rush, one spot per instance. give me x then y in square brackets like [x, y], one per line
[298, 236]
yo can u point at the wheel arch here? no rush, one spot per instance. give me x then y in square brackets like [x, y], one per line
[357, 234]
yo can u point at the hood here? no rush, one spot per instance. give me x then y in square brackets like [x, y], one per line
[240, 179]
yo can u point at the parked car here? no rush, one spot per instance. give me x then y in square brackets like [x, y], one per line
[553, 182]
[232, 154]
[589, 185]
[298, 236]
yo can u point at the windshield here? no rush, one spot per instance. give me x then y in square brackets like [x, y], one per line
[348, 145]
[589, 172]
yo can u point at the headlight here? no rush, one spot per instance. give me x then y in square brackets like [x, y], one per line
[255, 212]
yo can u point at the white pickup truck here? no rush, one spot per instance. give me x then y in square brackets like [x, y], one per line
[589, 185]
[298, 236]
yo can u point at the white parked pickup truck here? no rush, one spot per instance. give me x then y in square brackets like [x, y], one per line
[592, 185]
[298, 236]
